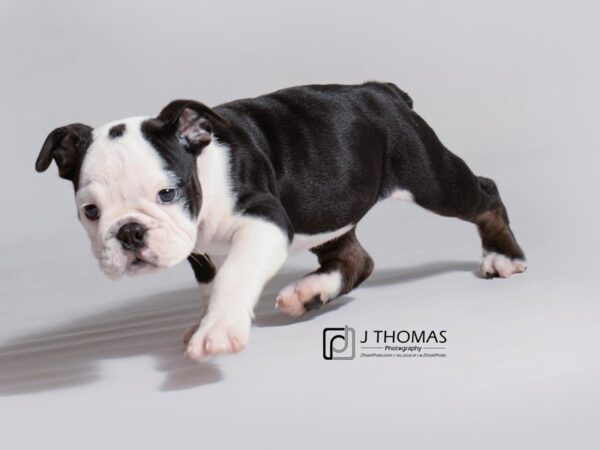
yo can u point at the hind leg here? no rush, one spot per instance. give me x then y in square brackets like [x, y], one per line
[344, 264]
[502, 256]
[441, 182]
[449, 188]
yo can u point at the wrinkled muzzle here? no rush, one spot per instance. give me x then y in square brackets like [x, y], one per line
[134, 246]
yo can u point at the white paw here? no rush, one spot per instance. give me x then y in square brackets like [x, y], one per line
[497, 265]
[219, 333]
[295, 298]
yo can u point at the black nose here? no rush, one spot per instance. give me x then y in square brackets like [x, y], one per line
[131, 235]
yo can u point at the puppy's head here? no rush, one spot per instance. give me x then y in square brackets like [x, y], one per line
[136, 186]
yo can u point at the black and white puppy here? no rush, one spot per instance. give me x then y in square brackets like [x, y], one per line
[251, 181]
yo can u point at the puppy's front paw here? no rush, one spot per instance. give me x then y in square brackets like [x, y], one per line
[496, 265]
[222, 333]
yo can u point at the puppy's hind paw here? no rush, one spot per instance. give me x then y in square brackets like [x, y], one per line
[497, 265]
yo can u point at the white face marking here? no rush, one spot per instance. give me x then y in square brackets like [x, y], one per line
[122, 177]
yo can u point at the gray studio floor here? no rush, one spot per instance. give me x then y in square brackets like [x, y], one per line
[86, 358]
[90, 363]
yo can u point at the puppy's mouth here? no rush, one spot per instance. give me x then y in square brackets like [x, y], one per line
[137, 264]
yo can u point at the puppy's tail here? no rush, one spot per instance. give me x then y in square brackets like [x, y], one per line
[403, 95]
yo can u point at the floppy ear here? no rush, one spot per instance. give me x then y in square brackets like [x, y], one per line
[66, 145]
[192, 121]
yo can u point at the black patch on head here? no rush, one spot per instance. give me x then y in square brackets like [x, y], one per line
[178, 161]
[116, 131]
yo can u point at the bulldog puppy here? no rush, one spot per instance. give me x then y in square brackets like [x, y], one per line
[237, 188]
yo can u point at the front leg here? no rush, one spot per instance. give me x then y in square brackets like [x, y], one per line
[205, 268]
[258, 250]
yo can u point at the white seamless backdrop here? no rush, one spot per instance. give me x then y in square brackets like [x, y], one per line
[512, 87]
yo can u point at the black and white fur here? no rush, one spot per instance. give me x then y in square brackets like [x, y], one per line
[254, 180]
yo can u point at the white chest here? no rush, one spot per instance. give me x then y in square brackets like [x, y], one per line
[217, 222]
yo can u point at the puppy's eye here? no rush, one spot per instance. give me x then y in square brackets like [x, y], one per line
[91, 212]
[168, 195]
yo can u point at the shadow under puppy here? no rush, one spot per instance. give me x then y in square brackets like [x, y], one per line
[237, 188]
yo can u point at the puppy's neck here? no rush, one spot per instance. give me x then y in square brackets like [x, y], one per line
[217, 197]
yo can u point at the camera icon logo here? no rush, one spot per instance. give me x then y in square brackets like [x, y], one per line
[338, 343]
